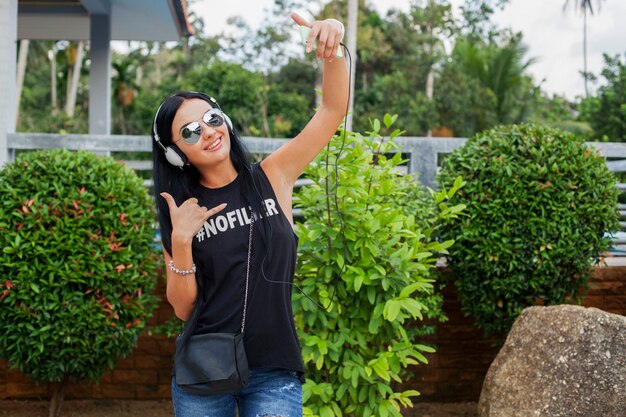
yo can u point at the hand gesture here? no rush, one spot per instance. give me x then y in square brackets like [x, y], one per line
[189, 217]
[327, 32]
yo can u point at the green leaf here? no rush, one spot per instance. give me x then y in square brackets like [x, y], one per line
[414, 307]
[326, 411]
[425, 348]
[376, 125]
[354, 378]
[358, 282]
[380, 370]
[383, 411]
[336, 410]
[391, 310]
[341, 391]
[389, 119]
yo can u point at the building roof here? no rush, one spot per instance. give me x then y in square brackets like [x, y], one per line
[139, 20]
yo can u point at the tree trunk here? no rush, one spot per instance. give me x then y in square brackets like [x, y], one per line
[58, 393]
[72, 91]
[52, 54]
[430, 78]
[351, 34]
[21, 70]
[68, 84]
[430, 84]
[139, 75]
[262, 97]
[585, 51]
[122, 120]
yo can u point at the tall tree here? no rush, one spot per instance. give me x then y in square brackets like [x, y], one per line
[586, 7]
[476, 18]
[75, 61]
[399, 56]
[52, 55]
[434, 22]
[606, 112]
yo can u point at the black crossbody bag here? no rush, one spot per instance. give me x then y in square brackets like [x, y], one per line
[212, 363]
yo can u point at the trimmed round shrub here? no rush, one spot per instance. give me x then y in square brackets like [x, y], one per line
[77, 267]
[539, 203]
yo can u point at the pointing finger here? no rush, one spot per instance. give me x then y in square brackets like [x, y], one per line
[300, 20]
[215, 210]
[171, 204]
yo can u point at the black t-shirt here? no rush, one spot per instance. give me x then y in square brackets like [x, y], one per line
[220, 251]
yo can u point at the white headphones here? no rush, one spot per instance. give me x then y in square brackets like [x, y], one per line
[173, 154]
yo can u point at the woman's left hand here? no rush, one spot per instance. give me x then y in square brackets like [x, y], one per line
[327, 32]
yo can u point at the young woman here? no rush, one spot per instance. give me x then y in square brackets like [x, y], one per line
[207, 195]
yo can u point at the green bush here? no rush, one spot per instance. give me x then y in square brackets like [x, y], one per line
[77, 266]
[367, 252]
[539, 202]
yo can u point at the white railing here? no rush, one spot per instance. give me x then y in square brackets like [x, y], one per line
[423, 154]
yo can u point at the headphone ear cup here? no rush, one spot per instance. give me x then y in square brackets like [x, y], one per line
[175, 156]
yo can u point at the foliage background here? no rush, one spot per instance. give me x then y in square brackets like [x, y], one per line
[479, 79]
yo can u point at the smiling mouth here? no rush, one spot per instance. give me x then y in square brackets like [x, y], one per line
[215, 144]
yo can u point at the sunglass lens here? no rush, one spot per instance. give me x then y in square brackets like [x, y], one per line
[213, 118]
[191, 133]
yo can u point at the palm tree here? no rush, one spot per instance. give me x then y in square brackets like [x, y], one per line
[500, 70]
[584, 6]
[124, 86]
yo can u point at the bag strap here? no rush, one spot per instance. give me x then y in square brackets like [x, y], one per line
[191, 323]
[245, 299]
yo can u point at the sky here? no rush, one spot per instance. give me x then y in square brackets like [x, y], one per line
[553, 36]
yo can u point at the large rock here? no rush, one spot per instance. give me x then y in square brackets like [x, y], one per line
[559, 361]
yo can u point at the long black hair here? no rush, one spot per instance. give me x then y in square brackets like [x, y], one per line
[179, 183]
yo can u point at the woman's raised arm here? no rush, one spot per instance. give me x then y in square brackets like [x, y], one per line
[286, 164]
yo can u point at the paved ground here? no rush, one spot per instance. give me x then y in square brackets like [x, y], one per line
[119, 408]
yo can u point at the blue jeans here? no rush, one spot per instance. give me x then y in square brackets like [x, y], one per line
[270, 392]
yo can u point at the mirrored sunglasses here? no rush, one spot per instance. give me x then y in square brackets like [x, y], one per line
[192, 132]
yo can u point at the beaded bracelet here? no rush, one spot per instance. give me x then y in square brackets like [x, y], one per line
[182, 272]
